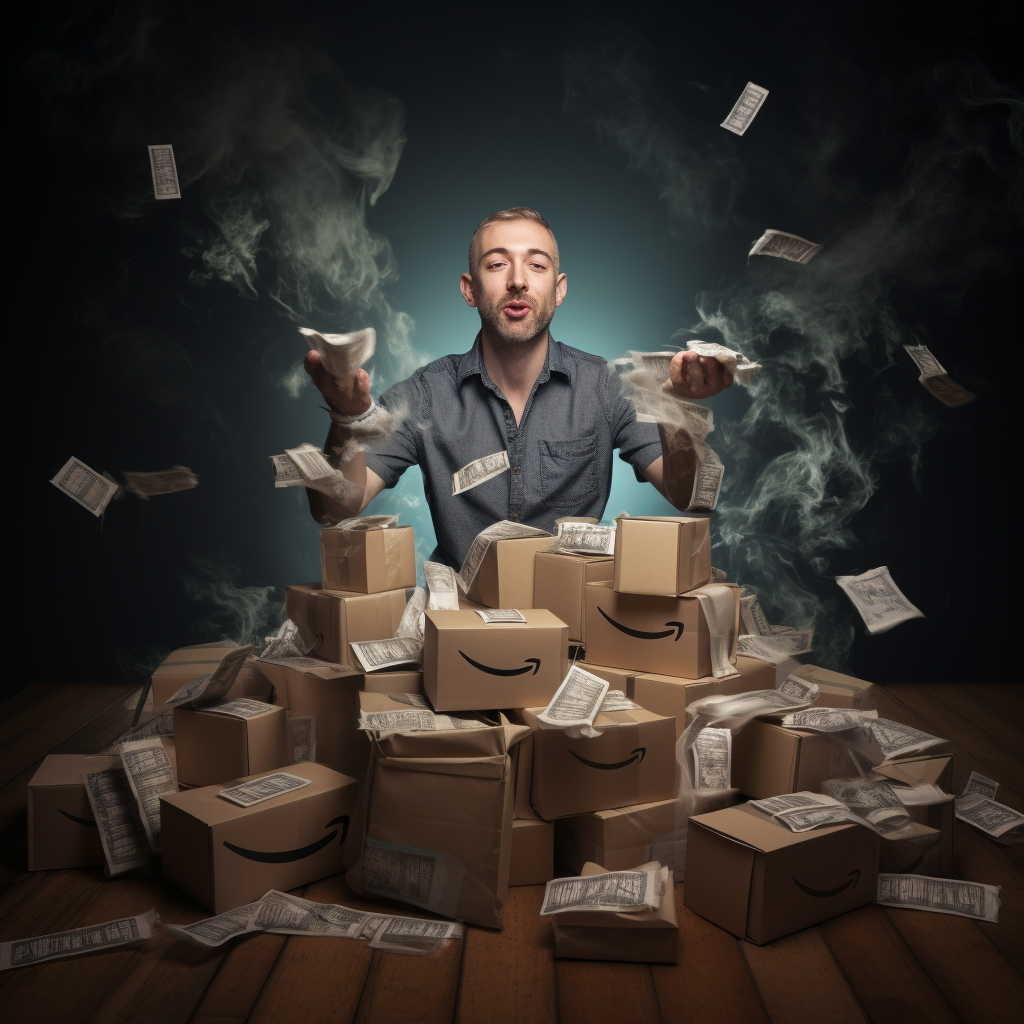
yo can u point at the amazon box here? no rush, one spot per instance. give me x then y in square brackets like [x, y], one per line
[62, 832]
[671, 695]
[768, 760]
[631, 762]
[666, 635]
[645, 936]
[212, 746]
[617, 678]
[663, 555]
[533, 852]
[188, 663]
[558, 586]
[397, 681]
[329, 692]
[331, 620]
[506, 576]
[368, 561]
[522, 771]
[759, 881]
[836, 690]
[469, 665]
[617, 838]
[225, 856]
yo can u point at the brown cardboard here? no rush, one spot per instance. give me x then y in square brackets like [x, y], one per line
[910, 851]
[664, 555]
[938, 859]
[647, 936]
[331, 620]
[188, 663]
[533, 852]
[667, 635]
[208, 843]
[768, 760]
[506, 575]
[671, 695]
[759, 881]
[469, 665]
[617, 838]
[631, 762]
[617, 678]
[211, 747]
[522, 772]
[368, 561]
[62, 831]
[558, 585]
[398, 681]
[331, 692]
[836, 690]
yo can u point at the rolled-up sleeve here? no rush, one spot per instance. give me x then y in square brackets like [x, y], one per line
[389, 457]
[639, 443]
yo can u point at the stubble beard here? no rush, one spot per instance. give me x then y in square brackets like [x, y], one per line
[518, 332]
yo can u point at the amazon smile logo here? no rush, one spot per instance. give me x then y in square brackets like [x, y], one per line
[81, 821]
[643, 634]
[823, 894]
[284, 856]
[638, 756]
[534, 662]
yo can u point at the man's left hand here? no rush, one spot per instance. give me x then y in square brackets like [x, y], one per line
[695, 376]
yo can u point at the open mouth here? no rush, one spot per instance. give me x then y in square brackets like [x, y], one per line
[516, 310]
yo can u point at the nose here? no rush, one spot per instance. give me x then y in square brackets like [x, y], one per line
[517, 280]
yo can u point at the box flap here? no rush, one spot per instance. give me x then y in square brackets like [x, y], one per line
[66, 769]
[744, 824]
[916, 769]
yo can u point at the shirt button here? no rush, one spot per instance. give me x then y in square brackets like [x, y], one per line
[516, 471]
[514, 518]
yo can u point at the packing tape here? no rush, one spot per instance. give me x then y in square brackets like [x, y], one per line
[719, 607]
[392, 562]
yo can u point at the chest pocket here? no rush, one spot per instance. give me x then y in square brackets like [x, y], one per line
[568, 475]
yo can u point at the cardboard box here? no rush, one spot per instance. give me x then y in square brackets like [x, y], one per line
[331, 620]
[533, 852]
[663, 555]
[617, 678]
[558, 586]
[632, 762]
[505, 578]
[759, 881]
[768, 760]
[907, 853]
[667, 635]
[647, 936]
[616, 838]
[522, 772]
[331, 692]
[213, 747]
[188, 663]
[225, 856]
[397, 681]
[670, 695]
[836, 690]
[368, 561]
[62, 832]
[469, 665]
[938, 858]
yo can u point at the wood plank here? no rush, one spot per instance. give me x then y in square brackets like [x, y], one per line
[999, 698]
[591, 991]
[236, 986]
[711, 983]
[508, 977]
[800, 981]
[887, 978]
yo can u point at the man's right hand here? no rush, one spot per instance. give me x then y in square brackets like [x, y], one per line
[348, 395]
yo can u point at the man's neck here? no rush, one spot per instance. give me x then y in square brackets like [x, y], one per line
[514, 367]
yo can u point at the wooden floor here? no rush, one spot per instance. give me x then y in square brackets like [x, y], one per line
[874, 964]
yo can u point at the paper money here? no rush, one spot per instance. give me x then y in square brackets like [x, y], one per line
[616, 891]
[718, 707]
[165, 172]
[286, 473]
[825, 720]
[479, 472]
[421, 720]
[442, 590]
[342, 354]
[879, 601]
[873, 802]
[303, 729]
[92, 938]
[161, 725]
[117, 817]
[935, 380]
[584, 539]
[503, 530]
[212, 687]
[752, 618]
[745, 109]
[576, 703]
[412, 623]
[310, 462]
[922, 793]
[167, 481]
[363, 524]
[375, 655]
[266, 788]
[414, 700]
[807, 818]
[241, 707]
[286, 643]
[494, 616]
[707, 480]
[412, 936]
[993, 818]
[215, 931]
[400, 872]
[149, 774]
[802, 689]
[940, 895]
[981, 785]
[616, 700]
[785, 245]
[743, 370]
[775, 649]
[774, 805]
[898, 740]
[926, 362]
[712, 759]
[90, 489]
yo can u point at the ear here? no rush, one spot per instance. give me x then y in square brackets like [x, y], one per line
[561, 287]
[466, 287]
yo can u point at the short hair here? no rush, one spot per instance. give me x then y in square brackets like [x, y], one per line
[513, 213]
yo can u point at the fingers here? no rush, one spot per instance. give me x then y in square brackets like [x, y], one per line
[696, 376]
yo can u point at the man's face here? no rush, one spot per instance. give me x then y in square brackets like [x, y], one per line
[514, 285]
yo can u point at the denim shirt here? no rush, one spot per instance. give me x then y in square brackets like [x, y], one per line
[560, 454]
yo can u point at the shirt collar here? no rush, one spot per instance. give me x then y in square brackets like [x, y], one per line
[471, 363]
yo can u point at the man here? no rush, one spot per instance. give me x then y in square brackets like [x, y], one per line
[557, 411]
